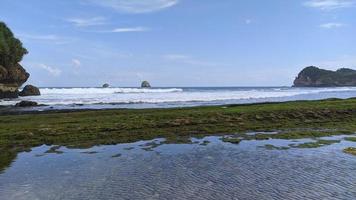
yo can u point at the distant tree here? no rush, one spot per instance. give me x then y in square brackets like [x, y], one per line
[11, 49]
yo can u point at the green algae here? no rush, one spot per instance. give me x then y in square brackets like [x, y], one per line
[272, 147]
[351, 139]
[318, 143]
[205, 143]
[89, 152]
[55, 150]
[231, 140]
[350, 150]
[116, 155]
[85, 129]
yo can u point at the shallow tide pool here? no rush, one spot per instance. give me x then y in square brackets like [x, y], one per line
[201, 170]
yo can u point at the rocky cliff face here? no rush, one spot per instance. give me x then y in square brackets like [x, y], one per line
[12, 74]
[11, 78]
[315, 77]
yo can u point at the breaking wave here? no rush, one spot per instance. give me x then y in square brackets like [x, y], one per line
[106, 90]
[163, 97]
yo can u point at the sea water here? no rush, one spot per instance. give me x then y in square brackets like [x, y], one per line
[116, 97]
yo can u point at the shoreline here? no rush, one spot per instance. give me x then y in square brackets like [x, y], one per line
[13, 110]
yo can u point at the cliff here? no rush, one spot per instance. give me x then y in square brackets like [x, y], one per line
[316, 77]
[12, 74]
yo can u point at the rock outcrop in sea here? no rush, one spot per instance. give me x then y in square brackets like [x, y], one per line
[145, 84]
[26, 104]
[12, 74]
[316, 77]
[106, 85]
[30, 90]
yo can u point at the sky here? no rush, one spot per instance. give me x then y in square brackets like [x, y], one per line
[84, 43]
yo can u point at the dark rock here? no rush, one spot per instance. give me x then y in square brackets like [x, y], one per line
[26, 104]
[3, 73]
[145, 84]
[11, 78]
[106, 85]
[315, 77]
[30, 90]
[8, 94]
[14, 74]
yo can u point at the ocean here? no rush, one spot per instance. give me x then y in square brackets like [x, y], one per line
[121, 97]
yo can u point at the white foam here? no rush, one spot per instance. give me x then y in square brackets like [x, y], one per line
[78, 91]
[69, 96]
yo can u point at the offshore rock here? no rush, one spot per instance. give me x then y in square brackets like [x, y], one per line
[26, 104]
[316, 77]
[145, 84]
[30, 90]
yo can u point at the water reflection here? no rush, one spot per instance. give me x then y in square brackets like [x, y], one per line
[153, 170]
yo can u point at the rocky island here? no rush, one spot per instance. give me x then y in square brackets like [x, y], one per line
[316, 77]
[12, 74]
[145, 84]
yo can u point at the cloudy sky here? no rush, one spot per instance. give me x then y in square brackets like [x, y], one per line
[180, 42]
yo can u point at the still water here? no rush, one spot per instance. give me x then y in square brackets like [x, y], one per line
[216, 170]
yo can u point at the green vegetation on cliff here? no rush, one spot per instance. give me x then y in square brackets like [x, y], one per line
[315, 77]
[12, 74]
[11, 49]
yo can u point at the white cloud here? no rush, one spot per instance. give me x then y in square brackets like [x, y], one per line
[329, 4]
[130, 29]
[76, 62]
[332, 25]
[51, 70]
[84, 22]
[39, 37]
[125, 30]
[53, 39]
[136, 6]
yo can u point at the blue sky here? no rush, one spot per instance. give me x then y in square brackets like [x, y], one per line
[180, 42]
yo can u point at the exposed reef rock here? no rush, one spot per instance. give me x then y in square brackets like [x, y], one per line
[11, 78]
[145, 84]
[315, 77]
[12, 74]
[26, 104]
[30, 90]
[106, 85]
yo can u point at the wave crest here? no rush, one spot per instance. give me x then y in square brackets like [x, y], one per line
[86, 91]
